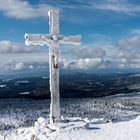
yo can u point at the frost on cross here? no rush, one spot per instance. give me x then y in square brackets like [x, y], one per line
[52, 40]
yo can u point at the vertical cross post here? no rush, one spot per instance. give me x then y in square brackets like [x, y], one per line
[54, 67]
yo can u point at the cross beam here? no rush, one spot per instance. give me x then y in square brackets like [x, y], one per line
[52, 40]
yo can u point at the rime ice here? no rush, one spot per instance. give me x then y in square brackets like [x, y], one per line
[53, 40]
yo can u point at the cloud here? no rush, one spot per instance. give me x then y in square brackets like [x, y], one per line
[129, 43]
[118, 6]
[99, 10]
[34, 65]
[19, 66]
[14, 62]
[135, 31]
[129, 50]
[100, 38]
[125, 54]
[86, 63]
[7, 46]
[84, 57]
[23, 10]
[89, 52]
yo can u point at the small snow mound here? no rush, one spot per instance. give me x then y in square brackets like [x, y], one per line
[138, 118]
[42, 130]
[42, 120]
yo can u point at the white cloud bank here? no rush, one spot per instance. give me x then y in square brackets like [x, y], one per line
[23, 61]
[86, 63]
[129, 51]
[130, 47]
[119, 6]
[126, 54]
[84, 57]
[22, 9]
[7, 46]
[15, 56]
[19, 66]
[89, 52]
[127, 7]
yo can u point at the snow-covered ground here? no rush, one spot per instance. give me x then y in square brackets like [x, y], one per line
[78, 129]
[107, 117]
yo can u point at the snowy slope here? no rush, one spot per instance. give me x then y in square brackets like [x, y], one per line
[78, 129]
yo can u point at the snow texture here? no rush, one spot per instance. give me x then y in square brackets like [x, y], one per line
[79, 129]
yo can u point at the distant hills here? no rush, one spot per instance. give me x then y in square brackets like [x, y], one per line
[72, 85]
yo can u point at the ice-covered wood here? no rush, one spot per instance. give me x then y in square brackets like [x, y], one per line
[54, 83]
[54, 67]
[75, 40]
[53, 40]
[47, 39]
[54, 21]
[38, 39]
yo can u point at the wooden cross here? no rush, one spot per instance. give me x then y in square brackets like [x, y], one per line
[52, 40]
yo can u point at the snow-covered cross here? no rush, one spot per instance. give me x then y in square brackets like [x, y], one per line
[52, 40]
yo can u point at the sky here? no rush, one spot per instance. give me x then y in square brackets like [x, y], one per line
[109, 29]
